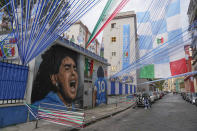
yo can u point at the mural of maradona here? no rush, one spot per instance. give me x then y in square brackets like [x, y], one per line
[100, 88]
[56, 81]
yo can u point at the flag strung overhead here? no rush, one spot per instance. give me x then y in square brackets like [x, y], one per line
[36, 24]
[161, 30]
[162, 36]
[105, 18]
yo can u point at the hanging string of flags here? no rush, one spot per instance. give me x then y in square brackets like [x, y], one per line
[184, 74]
[161, 41]
[109, 7]
[115, 12]
[157, 9]
[36, 24]
[151, 57]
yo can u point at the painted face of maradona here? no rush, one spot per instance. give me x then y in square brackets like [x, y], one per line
[68, 78]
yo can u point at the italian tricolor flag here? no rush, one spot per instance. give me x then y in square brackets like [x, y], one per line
[174, 66]
[164, 70]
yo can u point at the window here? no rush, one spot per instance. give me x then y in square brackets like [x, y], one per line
[113, 25]
[80, 29]
[113, 68]
[113, 39]
[113, 54]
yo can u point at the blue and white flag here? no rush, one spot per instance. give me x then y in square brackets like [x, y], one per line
[162, 24]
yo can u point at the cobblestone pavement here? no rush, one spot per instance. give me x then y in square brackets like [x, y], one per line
[171, 113]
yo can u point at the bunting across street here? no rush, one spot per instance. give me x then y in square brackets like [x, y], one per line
[162, 36]
[38, 23]
[126, 62]
[162, 40]
[106, 18]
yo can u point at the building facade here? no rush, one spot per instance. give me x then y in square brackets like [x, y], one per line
[119, 39]
[189, 80]
[120, 48]
[79, 34]
[192, 14]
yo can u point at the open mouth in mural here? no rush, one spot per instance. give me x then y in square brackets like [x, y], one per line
[73, 85]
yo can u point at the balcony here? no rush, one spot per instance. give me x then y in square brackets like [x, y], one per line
[5, 24]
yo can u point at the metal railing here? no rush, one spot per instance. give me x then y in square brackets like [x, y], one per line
[13, 81]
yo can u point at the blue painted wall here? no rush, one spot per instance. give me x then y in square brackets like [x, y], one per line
[13, 115]
[113, 88]
[120, 88]
[126, 89]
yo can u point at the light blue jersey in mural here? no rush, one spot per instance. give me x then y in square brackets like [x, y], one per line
[101, 87]
[53, 100]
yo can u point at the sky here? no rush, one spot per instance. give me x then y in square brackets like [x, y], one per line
[92, 16]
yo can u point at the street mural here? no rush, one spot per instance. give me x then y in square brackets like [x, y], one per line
[126, 46]
[100, 86]
[8, 51]
[8, 47]
[89, 66]
[57, 78]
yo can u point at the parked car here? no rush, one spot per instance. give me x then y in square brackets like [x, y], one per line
[152, 97]
[162, 94]
[184, 96]
[196, 102]
[156, 96]
[193, 98]
[190, 97]
[187, 97]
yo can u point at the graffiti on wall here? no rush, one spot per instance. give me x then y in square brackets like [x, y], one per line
[126, 46]
[8, 49]
[89, 66]
[57, 78]
[100, 86]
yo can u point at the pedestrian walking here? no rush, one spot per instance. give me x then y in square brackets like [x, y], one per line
[146, 102]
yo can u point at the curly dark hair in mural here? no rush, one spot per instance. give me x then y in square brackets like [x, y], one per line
[100, 72]
[58, 74]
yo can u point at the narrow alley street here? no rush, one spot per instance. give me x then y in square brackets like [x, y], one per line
[171, 113]
[97, 65]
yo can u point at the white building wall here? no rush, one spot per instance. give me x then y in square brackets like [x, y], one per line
[80, 31]
[109, 47]
[73, 31]
[30, 81]
[77, 30]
